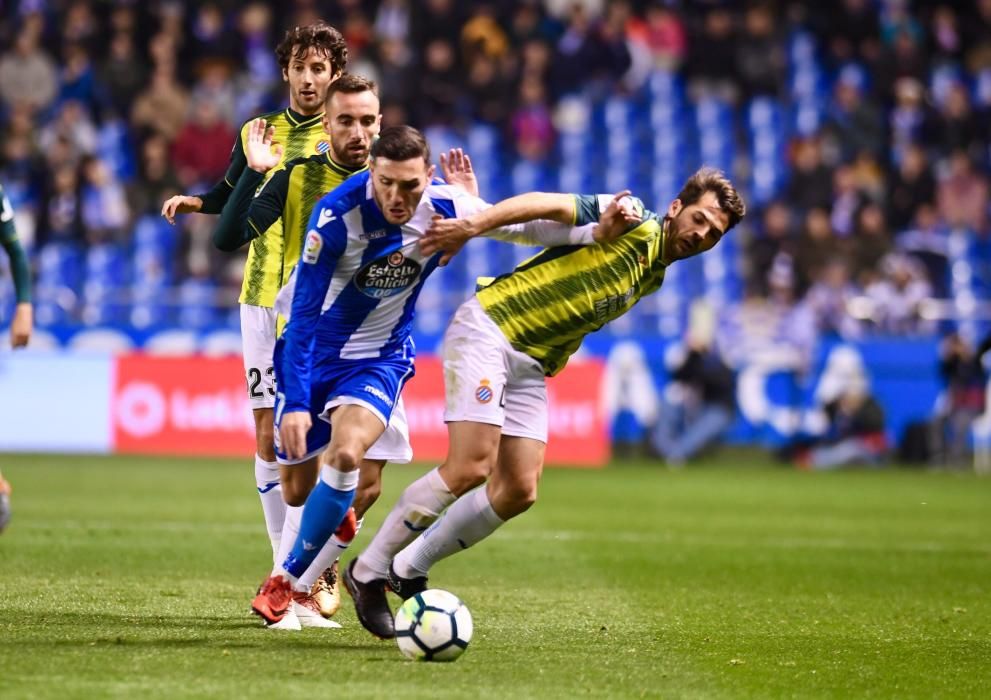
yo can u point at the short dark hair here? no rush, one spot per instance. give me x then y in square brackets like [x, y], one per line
[351, 84]
[401, 143]
[320, 36]
[714, 180]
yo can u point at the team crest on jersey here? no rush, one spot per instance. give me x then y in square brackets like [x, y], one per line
[311, 250]
[387, 276]
[322, 146]
[484, 393]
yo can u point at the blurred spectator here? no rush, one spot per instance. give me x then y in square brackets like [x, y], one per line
[815, 245]
[910, 186]
[104, 206]
[440, 84]
[926, 240]
[854, 121]
[911, 121]
[74, 126]
[27, 74]
[61, 217]
[962, 399]
[533, 130]
[959, 128]
[829, 301]
[123, 74]
[855, 420]
[903, 58]
[666, 37]
[212, 39]
[946, 40]
[491, 91]
[163, 105]
[760, 60]
[847, 200]
[851, 28]
[481, 35]
[870, 243]
[811, 180]
[699, 404]
[202, 148]
[78, 81]
[436, 19]
[896, 296]
[157, 181]
[962, 194]
[393, 20]
[396, 72]
[777, 236]
[711, 61]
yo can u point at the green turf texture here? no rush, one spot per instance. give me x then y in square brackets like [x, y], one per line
[131, 578]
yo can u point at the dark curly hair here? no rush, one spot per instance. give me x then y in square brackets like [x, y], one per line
[320, 36]
[713, 180]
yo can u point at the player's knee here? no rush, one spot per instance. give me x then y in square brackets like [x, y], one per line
[514, 496]
[345, 457]
[463, 475]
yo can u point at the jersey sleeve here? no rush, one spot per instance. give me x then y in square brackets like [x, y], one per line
[10, 243]
[233, 229]
[216, 197]
[588, 208]
[326, 239]
[269, 202]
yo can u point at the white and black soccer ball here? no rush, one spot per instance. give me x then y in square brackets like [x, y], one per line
[433, 626]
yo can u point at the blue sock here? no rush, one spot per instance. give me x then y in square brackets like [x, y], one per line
[323, 513]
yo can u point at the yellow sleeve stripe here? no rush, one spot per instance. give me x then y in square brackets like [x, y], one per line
[252, 225]
[574, 209]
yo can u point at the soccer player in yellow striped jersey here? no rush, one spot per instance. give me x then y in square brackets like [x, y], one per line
[520, 328]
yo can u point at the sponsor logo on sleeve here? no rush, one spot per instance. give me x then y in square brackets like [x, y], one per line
[311, 250]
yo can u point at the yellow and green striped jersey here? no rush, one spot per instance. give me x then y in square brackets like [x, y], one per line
[288, 197]
[549, 303]
[300, 137]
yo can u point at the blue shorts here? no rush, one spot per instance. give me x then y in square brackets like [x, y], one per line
[374, 384]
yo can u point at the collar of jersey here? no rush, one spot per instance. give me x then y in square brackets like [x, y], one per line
[343, 170]
[297, 119]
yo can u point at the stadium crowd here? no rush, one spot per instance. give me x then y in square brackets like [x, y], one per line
[108, 108]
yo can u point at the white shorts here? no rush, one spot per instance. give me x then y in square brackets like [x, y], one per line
[258, 330]
[486, 380]
[392, 445]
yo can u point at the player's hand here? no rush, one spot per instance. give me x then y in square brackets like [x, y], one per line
[621, 213]
[180, 204]
[23, 323]
[292, 433]
[456, 169]
[260, 150]
[447, 235]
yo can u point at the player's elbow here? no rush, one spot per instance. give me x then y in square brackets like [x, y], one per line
[223, 242]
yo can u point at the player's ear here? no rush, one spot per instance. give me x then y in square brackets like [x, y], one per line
[674, 208]
[430, 173]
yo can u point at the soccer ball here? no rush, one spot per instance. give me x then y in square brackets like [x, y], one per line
[433, 626]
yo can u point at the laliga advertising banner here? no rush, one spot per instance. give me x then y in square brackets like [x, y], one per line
[198, 406]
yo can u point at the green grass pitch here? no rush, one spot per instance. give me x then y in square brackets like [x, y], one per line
[131, 578]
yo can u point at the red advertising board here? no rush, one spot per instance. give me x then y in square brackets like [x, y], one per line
[197, 406]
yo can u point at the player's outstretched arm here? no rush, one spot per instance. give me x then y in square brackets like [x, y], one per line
[536, 218]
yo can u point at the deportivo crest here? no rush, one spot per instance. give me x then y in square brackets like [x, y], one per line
[311, 250]
[484, 393]
[322, 146]
[387, 276]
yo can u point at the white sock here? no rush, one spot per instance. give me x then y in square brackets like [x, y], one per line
[470, 520]
[330, 553]
[270, 493]
[290, 531]
[420, 505]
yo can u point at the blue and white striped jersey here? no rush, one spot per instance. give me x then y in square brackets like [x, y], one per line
[353, 292]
